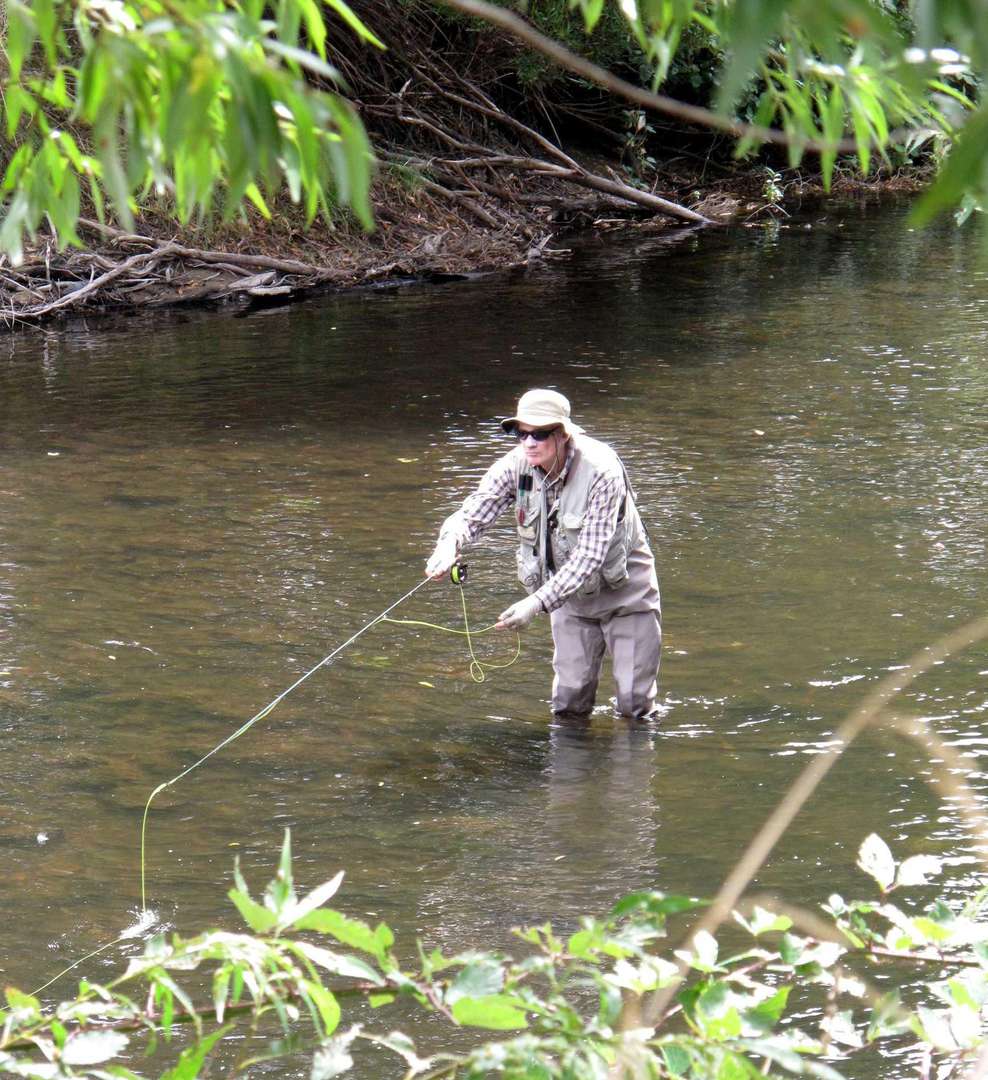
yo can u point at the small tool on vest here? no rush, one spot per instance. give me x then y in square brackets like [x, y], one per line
[524, 487]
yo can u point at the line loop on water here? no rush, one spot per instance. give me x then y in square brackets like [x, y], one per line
[478, 668]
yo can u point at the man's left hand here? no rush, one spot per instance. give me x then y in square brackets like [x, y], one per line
[519, 615]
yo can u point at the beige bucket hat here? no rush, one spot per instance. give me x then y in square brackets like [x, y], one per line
[542, 409]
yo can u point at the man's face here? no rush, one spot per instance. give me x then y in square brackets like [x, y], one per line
[546, 453]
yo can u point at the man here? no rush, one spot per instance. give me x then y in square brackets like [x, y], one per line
[582, 555]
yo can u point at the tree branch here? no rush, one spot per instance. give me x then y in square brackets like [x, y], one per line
[637, 95]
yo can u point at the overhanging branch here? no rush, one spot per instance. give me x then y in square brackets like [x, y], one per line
[637, 95]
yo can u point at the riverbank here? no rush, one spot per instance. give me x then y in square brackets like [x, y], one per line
[489, 157]
[425, 231]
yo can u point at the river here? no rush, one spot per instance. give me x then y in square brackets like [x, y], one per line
[198, 507]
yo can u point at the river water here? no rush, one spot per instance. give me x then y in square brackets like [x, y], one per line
[197, 508]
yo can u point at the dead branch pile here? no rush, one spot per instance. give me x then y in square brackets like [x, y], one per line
[464, 185]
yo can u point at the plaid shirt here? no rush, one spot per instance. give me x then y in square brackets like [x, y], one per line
[496, 493]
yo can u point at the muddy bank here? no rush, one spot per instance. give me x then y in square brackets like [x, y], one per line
[424, 232]
[489, 158]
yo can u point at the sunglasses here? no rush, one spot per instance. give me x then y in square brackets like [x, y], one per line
[539, 435]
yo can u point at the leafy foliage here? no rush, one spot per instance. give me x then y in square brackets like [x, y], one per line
[838, 74]
[573, 1007]
[204, 102]
[211, 104]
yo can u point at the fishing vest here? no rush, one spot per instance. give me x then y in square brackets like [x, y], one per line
[546, 530]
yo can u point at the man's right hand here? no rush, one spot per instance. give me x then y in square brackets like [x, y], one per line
[442, 559]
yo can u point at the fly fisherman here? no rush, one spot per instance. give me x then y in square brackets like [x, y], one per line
[582, 555]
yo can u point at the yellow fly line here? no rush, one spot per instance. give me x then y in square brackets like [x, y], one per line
[477, 673]
[477, 669]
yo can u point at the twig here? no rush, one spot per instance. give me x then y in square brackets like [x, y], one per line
[867, 713]
[263, 262]
[74, 297]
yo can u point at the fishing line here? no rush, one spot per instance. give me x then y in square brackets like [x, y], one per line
[478, 668]
[477, 672]
[255, 718]
[143, 924]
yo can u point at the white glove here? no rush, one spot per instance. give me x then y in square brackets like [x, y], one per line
[520, 615]
[442, 558]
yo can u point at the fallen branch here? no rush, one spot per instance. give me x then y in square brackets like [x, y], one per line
[583, 178]
[72, 298]
[265, 262]
[463, 200]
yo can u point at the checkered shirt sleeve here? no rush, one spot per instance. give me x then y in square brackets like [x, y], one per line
[494, 494]
[599, 524]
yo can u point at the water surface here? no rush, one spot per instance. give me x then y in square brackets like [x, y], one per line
[197, 508]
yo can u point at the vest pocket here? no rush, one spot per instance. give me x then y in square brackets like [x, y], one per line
[529, 571]
[615, 568]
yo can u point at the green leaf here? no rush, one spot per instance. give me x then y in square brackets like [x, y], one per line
[23, 1004]
[777, 1052]
[21, 35]
[714, 999]
[326, 1004]
[258, 918]
[353, 174]
[347, 15]
[766, 1014]
[765, 922]
[676, 1058]
[705, 951]
[47, 24]
[750, 27]
[497, 1012]
[314, 25]
[191, 1059]
[875, 858]
[832, 115]
[792, 949]
[592, 10]
[313, 900]
[279, 896]
[655, 903]
[303, 58]
[337, 964]
[582, 943]
[483, 978]
[93, 1047]
[353, 932]
[171, 991]
[221, 991]
[19, 102]
[112, 170]
[253, 193]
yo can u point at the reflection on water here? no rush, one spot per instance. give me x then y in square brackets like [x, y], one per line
[197, 509]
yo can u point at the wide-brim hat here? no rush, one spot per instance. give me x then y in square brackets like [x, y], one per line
[542, 409]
